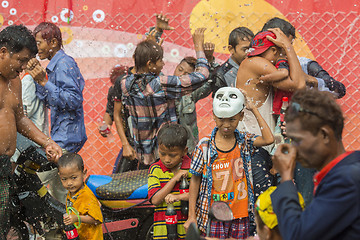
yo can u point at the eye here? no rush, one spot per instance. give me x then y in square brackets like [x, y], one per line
[219, 96]
[233, 96]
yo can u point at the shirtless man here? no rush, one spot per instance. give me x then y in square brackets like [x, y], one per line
[17, 46]
[261, 93]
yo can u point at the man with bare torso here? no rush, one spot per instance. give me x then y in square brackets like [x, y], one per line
[17, 46]
[268, 48]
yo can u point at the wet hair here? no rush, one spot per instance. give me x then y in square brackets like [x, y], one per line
[118, 71]
[189, 60]
[320, 109]
[70, 159]
[262, 224]
[172, 135]
[16, 38]
[242, 33]
[49, 31]
[145, 51]
[287, 28]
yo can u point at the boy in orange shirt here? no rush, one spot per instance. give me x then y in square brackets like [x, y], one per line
[80, 197]
[221, 168]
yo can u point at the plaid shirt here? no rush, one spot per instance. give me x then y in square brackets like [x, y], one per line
[151, 102]
[201, 165]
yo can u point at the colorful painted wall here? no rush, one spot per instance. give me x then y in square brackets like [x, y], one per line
[100, 34]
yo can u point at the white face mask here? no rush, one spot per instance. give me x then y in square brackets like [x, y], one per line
[228, 101]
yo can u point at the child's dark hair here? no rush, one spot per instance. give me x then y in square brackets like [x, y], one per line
[190, 60]
[16, 38]
[242, 33]
[70, 159]
[287, 28]
[172, 135]
[314, 110]
[145, 51]
[118, 71]
[48, 32]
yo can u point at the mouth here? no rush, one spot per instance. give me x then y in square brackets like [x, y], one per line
[226, 105]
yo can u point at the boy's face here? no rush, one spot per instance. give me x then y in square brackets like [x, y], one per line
[238, 54]
[72, 178]
[272, 55]
[157, 66]
[182, 69]
[171, 157]
[13, 63]
[227, 126]
[45, 50]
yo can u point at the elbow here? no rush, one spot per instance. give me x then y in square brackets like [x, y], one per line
[269, 140]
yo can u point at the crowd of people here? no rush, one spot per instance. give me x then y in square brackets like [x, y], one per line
[307, 188]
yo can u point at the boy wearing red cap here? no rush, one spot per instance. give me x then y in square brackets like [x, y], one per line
[266, 49]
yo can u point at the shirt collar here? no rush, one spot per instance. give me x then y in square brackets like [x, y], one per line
[185, 165]
[320, 175]
[233, 63]
[55, 59]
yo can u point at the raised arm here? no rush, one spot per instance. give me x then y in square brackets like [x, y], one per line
[297, 75]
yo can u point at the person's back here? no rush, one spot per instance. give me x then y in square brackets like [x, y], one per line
[150, 98]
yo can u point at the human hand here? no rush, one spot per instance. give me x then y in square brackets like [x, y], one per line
[209, 48]
[284, 161]
[70, 219]
[104, 131]
[152, 36]
[198, 39]
[162, 23]
[171, 198]
[53, 151]
[189, 221]
[129, 152]
[181, 174]
[37, 72]
[281, 39]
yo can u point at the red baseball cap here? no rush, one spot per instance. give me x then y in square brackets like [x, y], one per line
[260, 43]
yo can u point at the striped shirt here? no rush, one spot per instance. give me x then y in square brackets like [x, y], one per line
[204, 156]
[150, 100]
[159, 176]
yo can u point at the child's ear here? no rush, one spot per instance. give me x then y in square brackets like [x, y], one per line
[3, 51]
[85, 171]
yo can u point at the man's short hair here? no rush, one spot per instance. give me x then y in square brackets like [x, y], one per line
[315, 109]
[16, 38]
[172, 135]
[49, 31]
[145, 51]
[287, 28]
[242, 33]
[70, 159]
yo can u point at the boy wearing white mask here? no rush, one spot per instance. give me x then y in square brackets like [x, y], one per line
[221, 168]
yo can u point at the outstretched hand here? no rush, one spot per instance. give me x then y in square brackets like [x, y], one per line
[53, 151]
[162, 23]
[152, 36]
[198, 39]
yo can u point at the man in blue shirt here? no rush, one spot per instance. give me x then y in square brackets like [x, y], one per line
[60, 87]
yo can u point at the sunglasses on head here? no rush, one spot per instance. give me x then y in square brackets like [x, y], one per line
[295, 108]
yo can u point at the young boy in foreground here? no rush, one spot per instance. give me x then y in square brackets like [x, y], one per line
[221, 168]
[165, 175]
[80, 197]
